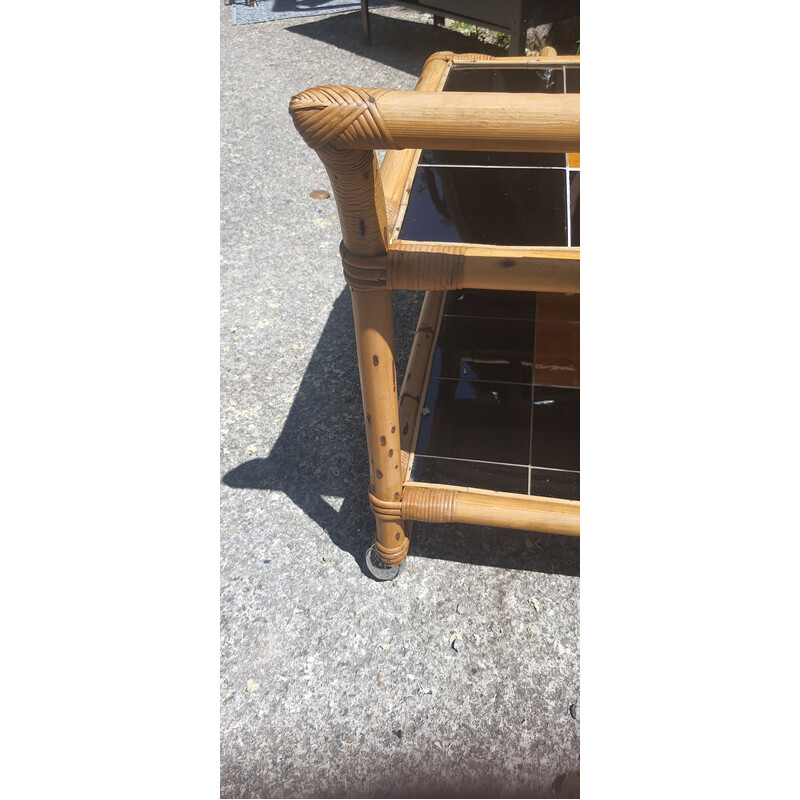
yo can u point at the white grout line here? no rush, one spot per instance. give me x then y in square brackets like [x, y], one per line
[422, 165]
[498, 463]
[533, 387]
[475, 461]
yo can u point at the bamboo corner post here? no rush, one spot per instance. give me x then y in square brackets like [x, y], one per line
[323, 116]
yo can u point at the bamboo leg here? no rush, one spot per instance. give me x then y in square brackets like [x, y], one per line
[374, 326]
[365, 21]
[518, 31]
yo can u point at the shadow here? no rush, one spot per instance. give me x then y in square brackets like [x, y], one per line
[498, 547]
[397, 43]
[320, 458]
[319, 461]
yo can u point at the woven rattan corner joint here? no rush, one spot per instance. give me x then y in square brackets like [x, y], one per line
[345, 126]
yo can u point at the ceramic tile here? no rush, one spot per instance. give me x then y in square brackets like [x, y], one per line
[555, 483]
[476, 79]
[499, 305]
[555, 435]
[452, 204]
[471, 348]
[557, 307]
[573, 80]
[575, 208]
[476, 421]
[479, 475]
[557, 354]
[476, 158]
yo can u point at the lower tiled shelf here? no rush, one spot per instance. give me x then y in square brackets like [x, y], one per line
[502, 403]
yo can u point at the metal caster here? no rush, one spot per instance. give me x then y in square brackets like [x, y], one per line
[380, 570]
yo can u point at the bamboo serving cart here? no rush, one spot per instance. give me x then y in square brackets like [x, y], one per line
[476, 203]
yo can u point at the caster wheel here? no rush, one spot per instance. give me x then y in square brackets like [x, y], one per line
[380, 570]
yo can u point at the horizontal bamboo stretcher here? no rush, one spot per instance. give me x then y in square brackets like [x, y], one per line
[439, 265]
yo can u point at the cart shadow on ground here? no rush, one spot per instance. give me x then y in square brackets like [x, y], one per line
[319, 461]
[398, 43]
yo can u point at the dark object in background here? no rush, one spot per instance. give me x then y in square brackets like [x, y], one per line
[510, 16]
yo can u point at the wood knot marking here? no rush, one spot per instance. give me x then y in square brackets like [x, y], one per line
[391, 453]
[397, 536]
[375, 361]
[378, 473]
[507, 262]
[369, 420]
[383, 441]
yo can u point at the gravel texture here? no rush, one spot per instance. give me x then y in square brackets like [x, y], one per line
[457, 679]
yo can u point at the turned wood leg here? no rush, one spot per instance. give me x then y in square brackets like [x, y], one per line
[374, 326]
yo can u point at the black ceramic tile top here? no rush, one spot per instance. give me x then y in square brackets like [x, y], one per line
[480, 475]
[497, 427]
[575, 207]
[573, 80]
[557, 354]
[476, 158]
[510, 79]
[476, 421]
[556, 307]
[471, 348]
[498, 305]
[498, 206]
[555, 434]
[556, 483]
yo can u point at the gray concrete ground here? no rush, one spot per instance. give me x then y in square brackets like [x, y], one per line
[333, 684]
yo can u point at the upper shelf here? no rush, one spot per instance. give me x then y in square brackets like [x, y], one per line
[498, 198]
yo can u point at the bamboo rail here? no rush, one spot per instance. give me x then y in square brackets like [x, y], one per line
[546, 58]
[440, 265]
[345, 118]
[415, 379]
[439, 503]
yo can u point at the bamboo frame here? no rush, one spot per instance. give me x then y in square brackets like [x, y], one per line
[345, 126]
